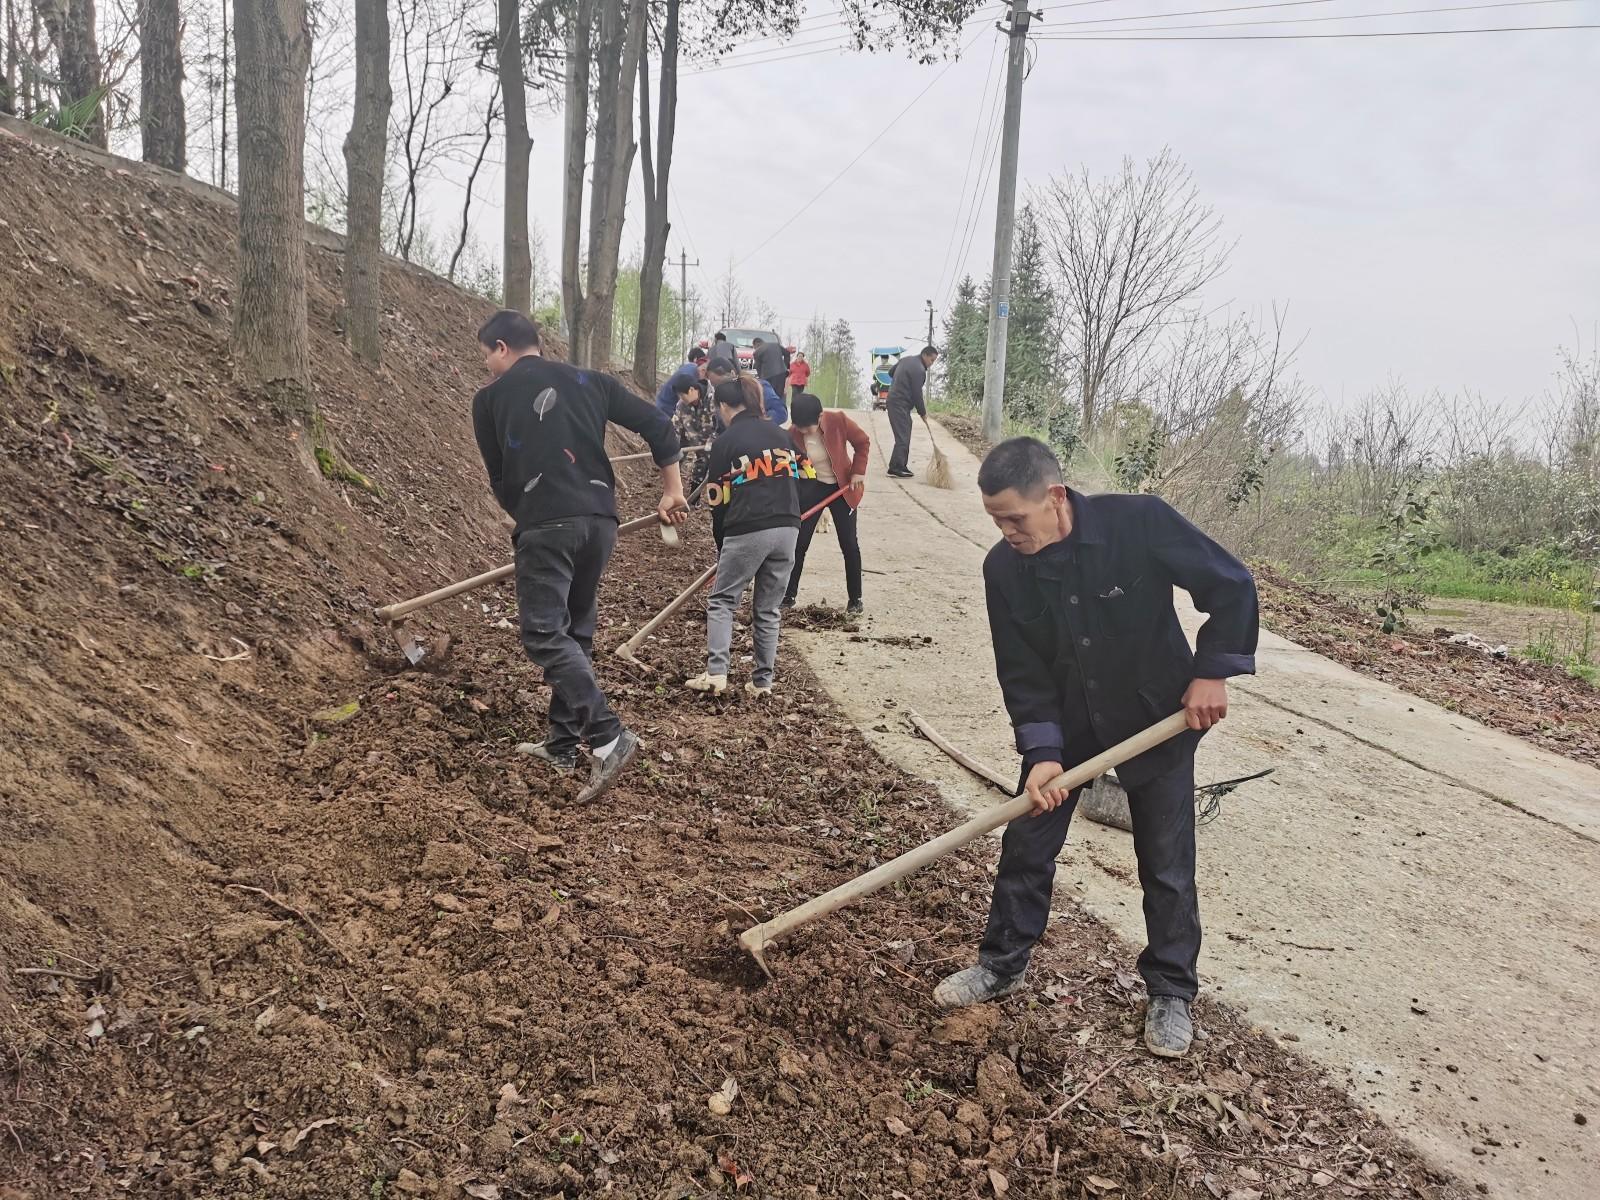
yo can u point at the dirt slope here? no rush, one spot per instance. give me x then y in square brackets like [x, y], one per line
[279, 918]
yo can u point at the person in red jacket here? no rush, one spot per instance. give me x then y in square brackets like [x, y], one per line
[799, 375]
[823, 437]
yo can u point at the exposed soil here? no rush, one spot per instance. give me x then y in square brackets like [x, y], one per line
[1541, 704]
[279, 917]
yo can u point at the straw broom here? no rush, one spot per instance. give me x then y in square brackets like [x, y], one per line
[939, 468]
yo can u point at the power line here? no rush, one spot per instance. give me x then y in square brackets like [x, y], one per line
[991, 157]
[1193, 12]
[772, 56]
[881, 134]
[983, 118]
[1301, 37]
[1406, 12]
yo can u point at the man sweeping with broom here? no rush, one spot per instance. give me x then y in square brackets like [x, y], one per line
[1089, 651]
[906, 393]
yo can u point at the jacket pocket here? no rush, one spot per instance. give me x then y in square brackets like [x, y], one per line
[1122, 610]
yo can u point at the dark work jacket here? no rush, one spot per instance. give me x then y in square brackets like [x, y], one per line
[541, 428]
[1087, 643]
[752, 478]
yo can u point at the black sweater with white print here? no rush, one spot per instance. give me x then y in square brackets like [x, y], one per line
[751, 484]
[541, 429]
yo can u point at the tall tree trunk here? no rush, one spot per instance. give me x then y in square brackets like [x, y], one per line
[8, 86]
[517, 273]
[71, 24]
[162, 122]
[656, 171]
[272, 46]
[365, 149]
[621, 44]
[576, 154]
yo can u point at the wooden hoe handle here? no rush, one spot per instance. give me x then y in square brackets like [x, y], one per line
[393, 612]
[759, 937]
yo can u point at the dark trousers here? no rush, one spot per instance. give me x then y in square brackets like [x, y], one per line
[796, 390]
[813, 492]
[1163, 842]
[559, 565]
[900, 425]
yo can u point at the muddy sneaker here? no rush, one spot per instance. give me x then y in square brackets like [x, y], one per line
[1167, 1027]
[561, 760]
[975, 985]
[855, 608]
[760, 691]
[603, 772]
[786, 602]
[711, 685]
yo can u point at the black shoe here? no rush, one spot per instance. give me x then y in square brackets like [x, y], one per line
[603, 772]
[855, 608]
[561, 760]
[893, 474]
[787, 602]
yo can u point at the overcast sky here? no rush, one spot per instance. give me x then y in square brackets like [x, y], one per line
[1428, 207]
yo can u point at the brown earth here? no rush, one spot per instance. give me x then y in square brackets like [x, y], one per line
[278, 917]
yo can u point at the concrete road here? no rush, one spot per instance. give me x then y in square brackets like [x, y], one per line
[1412, 899]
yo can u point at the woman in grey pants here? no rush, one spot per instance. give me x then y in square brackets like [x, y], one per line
[755, 518]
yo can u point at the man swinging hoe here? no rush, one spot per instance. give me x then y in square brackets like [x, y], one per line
[1089, 652]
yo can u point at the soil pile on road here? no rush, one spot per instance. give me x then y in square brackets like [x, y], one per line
[1540, 704]
[280, 917]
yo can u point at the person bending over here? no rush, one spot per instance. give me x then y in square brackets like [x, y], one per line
[1089, 652]
[755, 518]
[541, 428]
[837, 449]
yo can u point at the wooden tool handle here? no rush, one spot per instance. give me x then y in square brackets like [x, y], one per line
[628, 647]
[393, 612]
[816, 508]
[756, 939]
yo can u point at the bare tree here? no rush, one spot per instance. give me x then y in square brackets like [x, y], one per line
[491, 114]
[1127, 253]
[517, 274]
[656, 169]
[364, 154]
[71, 24]
[576, 152]
[435, 51]
[622, 34]
[162, 120]
[272, 43]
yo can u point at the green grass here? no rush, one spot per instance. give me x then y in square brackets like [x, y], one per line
[1541, 577]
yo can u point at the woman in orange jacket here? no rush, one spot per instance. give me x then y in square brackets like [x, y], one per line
[837, 448]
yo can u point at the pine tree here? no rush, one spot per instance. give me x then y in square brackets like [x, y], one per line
[965, 338]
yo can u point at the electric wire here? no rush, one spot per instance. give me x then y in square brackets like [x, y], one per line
[881, 134]
[1132, 36]
[978, 125]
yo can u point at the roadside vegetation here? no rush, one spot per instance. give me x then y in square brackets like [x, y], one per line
[1397, 501]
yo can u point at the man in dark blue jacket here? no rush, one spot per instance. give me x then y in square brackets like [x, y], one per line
[1089, 651]
[541, 428]
[690, 374]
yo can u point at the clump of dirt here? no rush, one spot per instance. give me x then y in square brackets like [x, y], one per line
[293, 920]
[1540, 704]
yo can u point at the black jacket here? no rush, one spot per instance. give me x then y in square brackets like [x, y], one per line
[541, 429]
[1087, 643]
[752, 472]
[909, 379]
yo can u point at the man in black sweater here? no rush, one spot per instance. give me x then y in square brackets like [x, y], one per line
[1089, 651]
[541, 428]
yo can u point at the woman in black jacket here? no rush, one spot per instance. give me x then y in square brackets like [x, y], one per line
[755, 518]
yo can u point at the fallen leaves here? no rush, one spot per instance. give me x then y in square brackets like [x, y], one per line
[720, 1102]
[741, 1178]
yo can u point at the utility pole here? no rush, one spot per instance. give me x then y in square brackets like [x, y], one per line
[1005, 212]
[929, 342]
[683, 264]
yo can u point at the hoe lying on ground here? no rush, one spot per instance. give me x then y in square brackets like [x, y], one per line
[756, 939]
